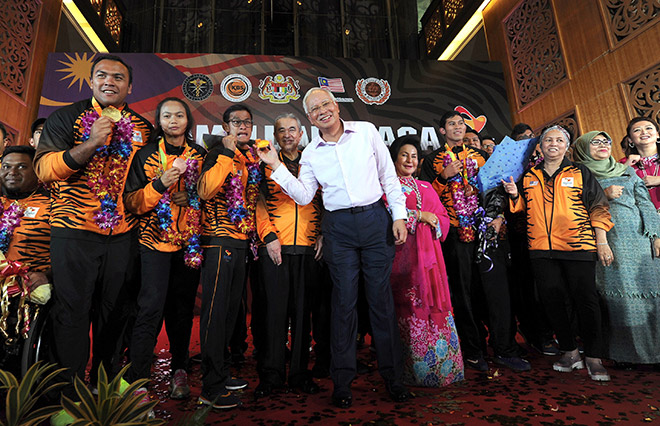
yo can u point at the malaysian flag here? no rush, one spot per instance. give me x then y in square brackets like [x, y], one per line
[335, 85]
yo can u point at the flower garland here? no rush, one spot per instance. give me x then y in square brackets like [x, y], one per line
[242, 211]
[107, 186]
[190, 237]
[464, 194]
[10, 220]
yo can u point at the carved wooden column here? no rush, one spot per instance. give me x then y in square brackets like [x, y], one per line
[28, 33]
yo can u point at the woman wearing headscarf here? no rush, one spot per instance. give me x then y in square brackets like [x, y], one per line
[630, 285]
[567, 224]
[419, 280]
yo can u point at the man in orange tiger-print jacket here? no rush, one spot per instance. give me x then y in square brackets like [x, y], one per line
[84, 155]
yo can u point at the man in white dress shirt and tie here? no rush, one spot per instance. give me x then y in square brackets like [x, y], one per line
[353, 167]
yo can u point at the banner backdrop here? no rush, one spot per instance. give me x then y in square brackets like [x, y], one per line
[398, 96]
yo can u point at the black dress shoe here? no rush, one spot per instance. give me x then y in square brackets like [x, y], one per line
[320, 371]
[309, 387]
[362, 368]
[342, 399]
[263, 390]
[398, 392]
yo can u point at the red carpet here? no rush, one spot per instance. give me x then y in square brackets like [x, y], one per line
[501, 397]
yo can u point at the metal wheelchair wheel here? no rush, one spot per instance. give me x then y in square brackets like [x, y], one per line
[37, 345]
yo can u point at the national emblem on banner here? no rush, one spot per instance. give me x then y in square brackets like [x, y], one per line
[197, 87]
[373, 91]
[279, 89]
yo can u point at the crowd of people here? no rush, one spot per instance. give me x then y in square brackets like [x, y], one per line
[126, 219]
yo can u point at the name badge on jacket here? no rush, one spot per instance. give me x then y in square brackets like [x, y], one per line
[567, 182]
[31, 212]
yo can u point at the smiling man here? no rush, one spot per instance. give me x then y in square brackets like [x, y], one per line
[290, 271]
[30, 241]
[353, 167]
[452, 169]
[85, 150]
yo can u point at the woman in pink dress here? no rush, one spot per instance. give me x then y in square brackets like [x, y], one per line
[419, 280]
[641, 149]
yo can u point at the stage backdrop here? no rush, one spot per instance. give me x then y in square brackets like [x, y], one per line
[399, 97]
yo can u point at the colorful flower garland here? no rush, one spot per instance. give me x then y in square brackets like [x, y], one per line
[107, 187]
[10, 220]
[465, 204]
[242, 211]
[190, 237]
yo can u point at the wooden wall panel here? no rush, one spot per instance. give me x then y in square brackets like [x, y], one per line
[597, 68]
[18, 111]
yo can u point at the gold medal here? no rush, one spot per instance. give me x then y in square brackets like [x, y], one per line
[262, 143]
[468, 190]
[112, 113]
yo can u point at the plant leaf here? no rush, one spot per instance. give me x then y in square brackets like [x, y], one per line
[13, 407]
[40, 414]
[72, 408]
[87, 401]
[8, 380]
[128, 409]
[49, 377]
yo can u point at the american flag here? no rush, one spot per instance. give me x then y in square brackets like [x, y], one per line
[335, 85]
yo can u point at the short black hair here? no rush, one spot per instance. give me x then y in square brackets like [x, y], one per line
[35, 124]
[519, 129]
[399, 142]
[19, 149]
[484, 137]
[116, 59]
[471, 130]
[447, 115]
[234, 108]
[3, 130]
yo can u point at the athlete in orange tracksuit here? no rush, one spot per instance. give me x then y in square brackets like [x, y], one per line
[289, 270]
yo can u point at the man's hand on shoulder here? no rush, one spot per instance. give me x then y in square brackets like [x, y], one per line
[400, 231]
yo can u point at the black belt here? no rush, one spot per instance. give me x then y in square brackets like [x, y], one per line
[358, 209]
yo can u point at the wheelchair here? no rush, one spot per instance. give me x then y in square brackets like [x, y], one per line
[20, 353]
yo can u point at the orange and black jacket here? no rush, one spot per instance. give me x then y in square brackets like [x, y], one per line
[30, 242]
[433, 165]
[562, 211]
[144, 189]
[279, 217]
[74, 204]
[219, 166]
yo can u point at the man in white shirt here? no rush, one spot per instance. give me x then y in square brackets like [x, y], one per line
[352, 165]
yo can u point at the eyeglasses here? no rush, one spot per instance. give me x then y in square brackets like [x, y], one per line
[604, 142]
[316, 109]
[238, 123]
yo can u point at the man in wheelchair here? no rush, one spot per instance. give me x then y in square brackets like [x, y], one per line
[24, 251]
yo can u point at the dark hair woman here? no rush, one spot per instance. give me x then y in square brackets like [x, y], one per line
[419, 280]
[641, 149]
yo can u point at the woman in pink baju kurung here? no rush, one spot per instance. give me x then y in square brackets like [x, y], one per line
[641, 149]
[432, 354]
